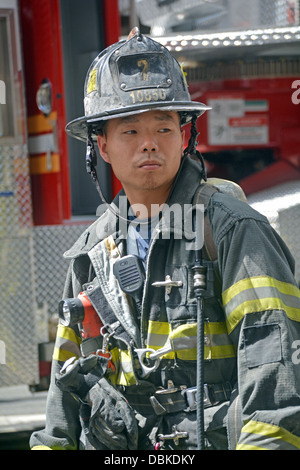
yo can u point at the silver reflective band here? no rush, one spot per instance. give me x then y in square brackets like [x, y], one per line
[67, 314]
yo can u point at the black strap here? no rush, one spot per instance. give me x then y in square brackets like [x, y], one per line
[202, 196]
[91, 345]
[174, 400]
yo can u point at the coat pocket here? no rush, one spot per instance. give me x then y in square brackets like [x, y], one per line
[262, 344]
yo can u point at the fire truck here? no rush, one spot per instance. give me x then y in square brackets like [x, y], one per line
[241, 58]
[46, 47]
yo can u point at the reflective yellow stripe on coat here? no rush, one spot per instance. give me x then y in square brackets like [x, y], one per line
[67, 344]
[256, 435]
[256, 294]
[122, 361]
[184, 340]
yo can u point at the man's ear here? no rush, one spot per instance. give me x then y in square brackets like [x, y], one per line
[183, 140]
[102, 145]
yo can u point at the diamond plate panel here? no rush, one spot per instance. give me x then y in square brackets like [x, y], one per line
[15, 194]
[19, 355]
[32, 271]
[17, 319]
[50, 242]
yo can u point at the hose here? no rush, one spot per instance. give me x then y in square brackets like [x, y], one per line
[199, 287]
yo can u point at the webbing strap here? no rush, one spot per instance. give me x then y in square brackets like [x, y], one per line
[203, 195]
[175, 400]
[91, 345]
[105, 311]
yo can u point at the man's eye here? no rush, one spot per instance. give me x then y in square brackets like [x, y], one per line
[131, 131]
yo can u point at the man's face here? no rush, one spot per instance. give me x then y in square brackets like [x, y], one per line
[144, 151]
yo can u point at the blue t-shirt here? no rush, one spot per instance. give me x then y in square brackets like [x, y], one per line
[139, 236]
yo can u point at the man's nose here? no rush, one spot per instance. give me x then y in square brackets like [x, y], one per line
[148, 143]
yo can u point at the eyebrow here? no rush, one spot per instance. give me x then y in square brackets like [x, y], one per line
[157, 117]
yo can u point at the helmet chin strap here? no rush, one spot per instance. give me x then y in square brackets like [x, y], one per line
[191, 149]
[91, 162]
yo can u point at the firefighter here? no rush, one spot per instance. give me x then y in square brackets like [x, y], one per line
[126, 371]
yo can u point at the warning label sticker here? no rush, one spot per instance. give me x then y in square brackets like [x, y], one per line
[234, 121]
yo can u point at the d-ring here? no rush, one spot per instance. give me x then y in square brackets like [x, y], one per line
[141, 354]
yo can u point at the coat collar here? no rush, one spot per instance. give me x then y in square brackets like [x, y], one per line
[108, 224]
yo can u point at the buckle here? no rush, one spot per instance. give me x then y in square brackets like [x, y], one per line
[174, 399]
[191, 397]
[190, 394]
[162, 402]
[209, 399]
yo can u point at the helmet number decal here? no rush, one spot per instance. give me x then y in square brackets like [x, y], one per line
[143, 71]
[144, 65]
[141, 96]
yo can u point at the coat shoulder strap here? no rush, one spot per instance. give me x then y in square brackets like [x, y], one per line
[202, 196]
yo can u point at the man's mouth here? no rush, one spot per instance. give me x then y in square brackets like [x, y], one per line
[149, 165]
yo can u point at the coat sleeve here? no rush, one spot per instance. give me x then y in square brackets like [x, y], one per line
[62, 430]
[262, 306]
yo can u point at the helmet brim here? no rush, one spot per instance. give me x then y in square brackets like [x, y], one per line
[78, 128]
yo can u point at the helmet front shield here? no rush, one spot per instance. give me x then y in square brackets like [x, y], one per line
[130, 77]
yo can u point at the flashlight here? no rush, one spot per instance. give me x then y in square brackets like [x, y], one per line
[79, 310]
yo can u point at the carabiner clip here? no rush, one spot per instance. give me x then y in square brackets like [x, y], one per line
[104, 352]
[153, 356]
[145, 369]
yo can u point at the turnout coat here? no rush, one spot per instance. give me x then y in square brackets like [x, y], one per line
[252, 329]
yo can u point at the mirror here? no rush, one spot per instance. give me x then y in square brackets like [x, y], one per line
[44, 97]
